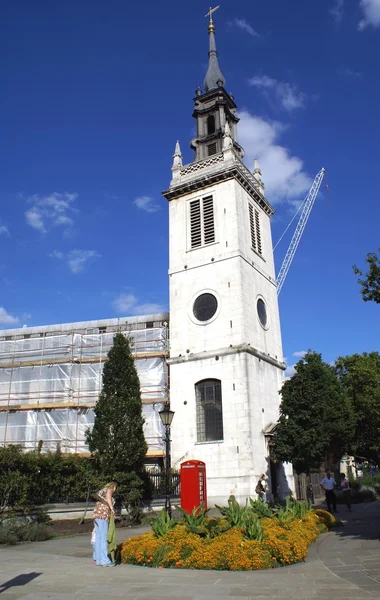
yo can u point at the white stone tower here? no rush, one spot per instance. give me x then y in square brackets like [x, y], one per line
[226, 364]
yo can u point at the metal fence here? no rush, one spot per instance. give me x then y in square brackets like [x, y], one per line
[158, 483]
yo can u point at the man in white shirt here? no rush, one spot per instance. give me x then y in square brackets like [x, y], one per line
[328, 484]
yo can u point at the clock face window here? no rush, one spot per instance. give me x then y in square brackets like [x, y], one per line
[205, 307]
[262, 312]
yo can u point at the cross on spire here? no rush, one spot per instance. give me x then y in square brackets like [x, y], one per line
[209, 14]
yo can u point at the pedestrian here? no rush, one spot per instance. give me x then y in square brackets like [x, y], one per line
[101, 515]
[346, 489]
[328, 483]
[261, 487]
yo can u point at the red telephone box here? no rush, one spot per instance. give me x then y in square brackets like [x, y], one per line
[193, 485]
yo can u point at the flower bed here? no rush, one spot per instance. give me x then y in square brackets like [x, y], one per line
[281, 539]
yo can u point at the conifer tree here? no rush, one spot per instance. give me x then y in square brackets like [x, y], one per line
[117, 438]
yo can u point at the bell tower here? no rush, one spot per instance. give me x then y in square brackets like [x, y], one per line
[214, 108]
[226, 364]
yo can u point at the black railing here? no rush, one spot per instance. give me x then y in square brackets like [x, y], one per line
[158, 483]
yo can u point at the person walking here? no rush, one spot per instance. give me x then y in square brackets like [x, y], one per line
[101, 515]
[346, 489]
[261, 487]
[328, 484]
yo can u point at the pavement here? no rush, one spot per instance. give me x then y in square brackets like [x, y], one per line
[344, 563]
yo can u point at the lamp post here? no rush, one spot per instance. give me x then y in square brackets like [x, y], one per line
[166, 416]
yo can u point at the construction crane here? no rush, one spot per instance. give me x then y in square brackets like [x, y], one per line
[307, 206]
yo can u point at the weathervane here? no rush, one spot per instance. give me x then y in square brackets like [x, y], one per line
[209, 14]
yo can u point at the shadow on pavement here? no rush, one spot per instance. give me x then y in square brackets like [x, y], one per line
[18, 581]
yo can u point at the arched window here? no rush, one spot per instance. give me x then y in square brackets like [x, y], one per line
[208, 395]
[210, 124]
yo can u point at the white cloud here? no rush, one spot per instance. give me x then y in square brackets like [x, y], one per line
[283, 174]
[286, 94]
[149, 309]
[337, 10]
[124, 302]
[4, 231]
[349, 73]
[299, 353]
[371, 10]
[147, 204]
[76, 259]
[51, 210]
[290, 371]
[128, 303]
[6, 318]
[244, 26]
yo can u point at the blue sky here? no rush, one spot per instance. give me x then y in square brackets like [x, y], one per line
[95, 94]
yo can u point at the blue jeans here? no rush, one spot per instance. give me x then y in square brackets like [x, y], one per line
[101, 545]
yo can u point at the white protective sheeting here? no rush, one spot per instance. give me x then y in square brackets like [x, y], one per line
[67, 427]
[58, 368]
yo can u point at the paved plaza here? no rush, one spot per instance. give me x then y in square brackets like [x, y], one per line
[342, 564]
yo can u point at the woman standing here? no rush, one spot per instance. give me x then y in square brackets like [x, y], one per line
[101, 515]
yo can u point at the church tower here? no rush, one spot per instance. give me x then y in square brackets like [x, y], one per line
[226, 364]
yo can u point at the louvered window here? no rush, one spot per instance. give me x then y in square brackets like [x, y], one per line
[195, 224]
[258, 233]
[211, 149]
[202, 223]
[254, 226]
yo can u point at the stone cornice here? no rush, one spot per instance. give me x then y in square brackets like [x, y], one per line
[204, 177]
[240, 349]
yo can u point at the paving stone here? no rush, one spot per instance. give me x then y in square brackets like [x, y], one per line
[344, 563]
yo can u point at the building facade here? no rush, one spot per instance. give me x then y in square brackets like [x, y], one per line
[51, 377]
[225, 366]
[226, 362]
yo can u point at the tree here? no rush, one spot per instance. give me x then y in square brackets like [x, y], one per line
[360, 375]
[371, 284]
[316, 418]
[117, 438]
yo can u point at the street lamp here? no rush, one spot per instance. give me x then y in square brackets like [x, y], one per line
[166, 416]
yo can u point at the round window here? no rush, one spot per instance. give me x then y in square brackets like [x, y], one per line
[205, 307]
[262, 312]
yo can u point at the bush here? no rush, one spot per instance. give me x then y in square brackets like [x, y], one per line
[180, 548]
[357, 496]
[238, 541]
[325, 517]
[14, 530]
[162, 524]
[29, 479]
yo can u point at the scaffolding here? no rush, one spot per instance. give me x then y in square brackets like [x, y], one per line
[51, 377]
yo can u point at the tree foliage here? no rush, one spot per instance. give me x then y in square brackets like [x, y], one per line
[360, 375]
[371, 284]
[117, 438]
[316, 422]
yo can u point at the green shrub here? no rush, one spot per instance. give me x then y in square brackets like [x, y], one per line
[29, 479]
[162, 524]
[260, 508]
[37, 532]
[253, 530]
[234, 513]
[23, 529]
[357, 496]
[196, 518]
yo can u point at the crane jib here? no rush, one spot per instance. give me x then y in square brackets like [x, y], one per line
[308, 205]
